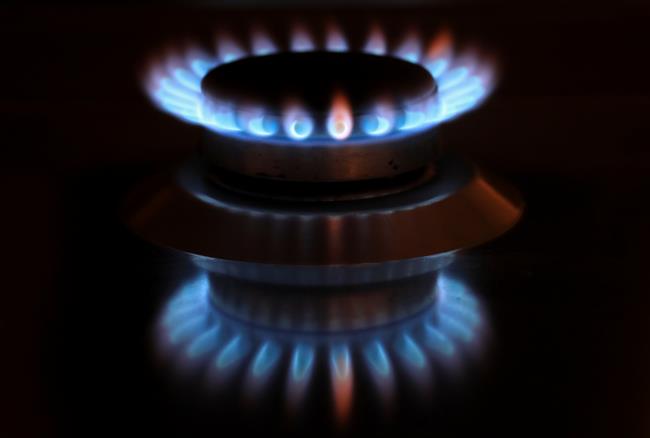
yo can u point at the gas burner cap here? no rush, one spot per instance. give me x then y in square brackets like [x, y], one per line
[333, 96]
[312, 112]
[315, 79]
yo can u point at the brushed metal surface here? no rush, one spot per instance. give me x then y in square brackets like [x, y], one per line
[321, 160]
[461, 208]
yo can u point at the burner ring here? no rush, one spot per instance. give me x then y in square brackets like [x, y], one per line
[321, 162]
[314, 79]
[372, 91]
[322, 191]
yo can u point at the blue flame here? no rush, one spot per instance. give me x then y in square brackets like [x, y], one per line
[340, 361]
[462, 86]
[375, 125]
[409, 350]
[229, 49]
[410, 49]
[233, 352]
[302, 362]
[262, 44]
[335, 41]
[437, 341]
[266, 358]
[191, 325]
[187, 329]
[203, 343]
[377, 358]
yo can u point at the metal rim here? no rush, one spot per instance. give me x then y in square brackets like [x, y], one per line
[459, 209]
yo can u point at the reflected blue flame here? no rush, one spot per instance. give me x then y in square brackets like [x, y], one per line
[266, 358]
[203, 343]
[437, 67]
[342, 379]
[203, 335]
[452, 78]
[187, 329]
[233, 352]
[462, 86]
[262, 126]
[201, 66]
[340, 361]
[297, 123]
[413, 120]
[437, 341]
[188, 79]
[302, 362]
[377, 359]
[409, 350]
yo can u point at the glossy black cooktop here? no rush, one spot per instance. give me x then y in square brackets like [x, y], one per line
[566, 290]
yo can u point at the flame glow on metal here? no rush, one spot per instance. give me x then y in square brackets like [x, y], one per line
[174, 84]
[205, 340]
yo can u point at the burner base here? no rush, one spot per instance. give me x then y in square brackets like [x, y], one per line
[459, 208]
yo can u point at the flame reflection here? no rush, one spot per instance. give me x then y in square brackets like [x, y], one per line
[204, 340]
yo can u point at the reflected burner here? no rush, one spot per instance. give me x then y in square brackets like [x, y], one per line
[212, 343]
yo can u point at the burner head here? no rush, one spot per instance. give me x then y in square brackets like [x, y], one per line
[320, 111]
[315, 78]
[320, 84]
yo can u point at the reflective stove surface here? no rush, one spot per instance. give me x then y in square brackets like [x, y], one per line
[564, 294]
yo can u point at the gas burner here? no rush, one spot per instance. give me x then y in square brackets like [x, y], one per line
[320, 210]
[389, 95]
[283, 112]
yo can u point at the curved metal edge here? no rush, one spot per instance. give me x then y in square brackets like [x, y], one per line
[320, 161]
[169, 215]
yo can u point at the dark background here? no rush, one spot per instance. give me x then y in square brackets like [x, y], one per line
[567, 289]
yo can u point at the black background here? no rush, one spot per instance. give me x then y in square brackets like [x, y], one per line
[567, 290]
